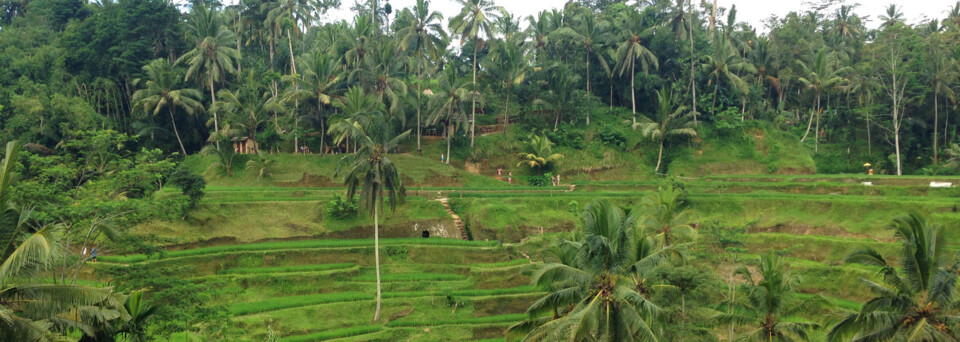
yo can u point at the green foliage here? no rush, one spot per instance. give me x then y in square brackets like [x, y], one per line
[340, 208]
[190, 184]
[538, 180]
[612, 136]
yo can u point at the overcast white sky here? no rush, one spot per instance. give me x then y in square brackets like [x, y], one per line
[751, 11]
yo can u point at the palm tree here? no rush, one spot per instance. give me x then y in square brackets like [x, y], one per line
[632, 49]
[380, 71]
[892, 16]
[916, 302]
[261, 166]
[31, 311]
[476, 17]
[161, 89]
[941, 71]
[821, 75]
[425, 35]
[287, 16]
[847, 24]
[670, 120]
[245, 106]
[725, 65]
[593, 36]
[321, 74]
[359, 111]
[769, 302]
[597, 289]
[447, 103]
[665, 219]
[212, 57]
[538, 153]
[512, 63]
[371, 170]
[681, 23]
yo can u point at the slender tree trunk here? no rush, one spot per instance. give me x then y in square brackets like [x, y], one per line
[473, 110]
[693, 84]
[810, 123]
[293, 62]
[683, 314]
[506, 109]
[376, 255]
[633, 93]
[177, 133]
[816, 132]
[588, 84]
[936, 123]
[713, 19]
[716, 89]
[896, 140]
[869, 138]
[216, 124]
[449, 137]
[659, 157]
[419, 92]
[323, 130]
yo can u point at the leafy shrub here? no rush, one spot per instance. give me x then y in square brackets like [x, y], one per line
[190, 184]
[340, 208]
[538, 180]
[567, 136]
[612, 136]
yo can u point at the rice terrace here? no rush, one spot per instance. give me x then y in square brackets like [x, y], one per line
[479, 170]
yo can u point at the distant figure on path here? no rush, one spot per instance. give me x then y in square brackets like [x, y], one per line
[558, 179]
[442, 158]
[93, 254]
[510, 178]
[84, 253]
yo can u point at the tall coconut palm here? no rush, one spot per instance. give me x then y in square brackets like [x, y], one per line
[846, 24]
[476, 17]
[244, 107]
[595, 292]
[286, 16]
[447, 104]
[32, 310]
[681, 23]
[670, 120]
[424, 35]
[370, 170]
[380, 72]
[358, 112]
[162, 89]
[212, 57]
[915, 302]
[632, 51]
[510, 60]
[892, 16]
[820, 76]
[321, 75]
[769, 302]
[940, 71]
[725, 65]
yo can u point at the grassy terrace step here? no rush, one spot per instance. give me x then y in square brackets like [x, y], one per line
[287, 269]
[402, 277]
[508, 318]
[300, 244]
[335, 333]
[279, 303]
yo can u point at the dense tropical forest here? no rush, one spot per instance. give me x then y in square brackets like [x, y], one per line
[653, 170]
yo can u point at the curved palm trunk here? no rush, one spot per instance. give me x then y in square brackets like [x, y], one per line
[449, 137]
[177, 133]
[693, 84]
[633, 93]
[506, 108]
[810, 122]
[216, 125]
[376, 254]
[659, 157]
[588, 84]
[293, 62]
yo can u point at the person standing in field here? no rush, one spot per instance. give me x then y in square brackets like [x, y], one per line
[93, 254]
[510, 177]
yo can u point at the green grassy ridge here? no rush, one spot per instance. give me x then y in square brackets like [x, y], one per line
[301, 244]
[402, 277]
[472, 320]
[334, 334]
[288, 302]
[279, 303]
[285, 269]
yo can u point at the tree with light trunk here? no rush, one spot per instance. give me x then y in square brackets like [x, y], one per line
[819, 77]
[892, 52]
[476, 17]
[212, 57]
[681, 23]
[320, 77]
[425, 35]
[447, 104]
[161, 90]
[670, 120]
[371, 171]
[941, 72]
[632, 51]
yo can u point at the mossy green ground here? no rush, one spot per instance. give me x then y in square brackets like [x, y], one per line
[317, 282]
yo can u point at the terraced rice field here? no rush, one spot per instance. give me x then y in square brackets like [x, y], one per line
[310, 289]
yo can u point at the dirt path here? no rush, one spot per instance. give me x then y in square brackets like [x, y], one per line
[456, 218]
